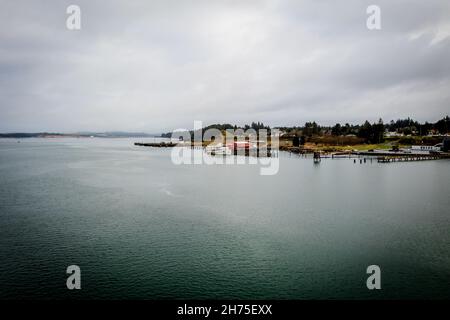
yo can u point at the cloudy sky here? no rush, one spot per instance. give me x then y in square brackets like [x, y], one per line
[157, 65]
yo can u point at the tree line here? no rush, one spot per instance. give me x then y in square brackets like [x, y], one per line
[369, 132]
[226, 126]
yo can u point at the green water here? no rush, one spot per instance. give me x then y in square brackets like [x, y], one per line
[140, 227]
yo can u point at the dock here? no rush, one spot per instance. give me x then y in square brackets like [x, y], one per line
[405, 158]
[253, 152]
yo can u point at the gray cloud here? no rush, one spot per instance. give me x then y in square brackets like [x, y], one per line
[157, 65]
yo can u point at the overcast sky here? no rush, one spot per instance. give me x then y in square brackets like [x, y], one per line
[159, 65]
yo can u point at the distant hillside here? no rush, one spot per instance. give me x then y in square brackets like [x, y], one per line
[29, 135]
[118, 134]
[113, 134]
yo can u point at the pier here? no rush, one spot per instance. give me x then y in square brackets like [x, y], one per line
[405, 158]
[156, 144]
[260, 151]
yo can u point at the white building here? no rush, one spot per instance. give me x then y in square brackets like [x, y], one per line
[426, 148]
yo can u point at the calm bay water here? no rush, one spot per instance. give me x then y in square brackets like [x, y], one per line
[140, 227]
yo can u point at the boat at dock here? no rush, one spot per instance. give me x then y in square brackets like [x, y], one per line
[218, 149]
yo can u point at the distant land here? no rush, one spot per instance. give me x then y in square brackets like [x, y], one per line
[366, 132]
[112, 134]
